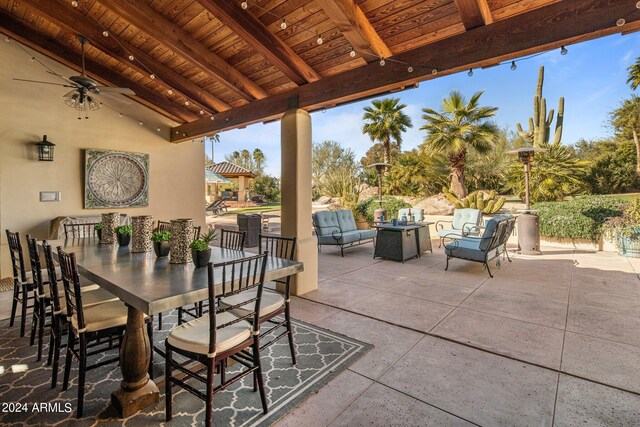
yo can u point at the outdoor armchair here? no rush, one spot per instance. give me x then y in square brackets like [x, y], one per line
[465, 222]
[338, 228]
[482, 248]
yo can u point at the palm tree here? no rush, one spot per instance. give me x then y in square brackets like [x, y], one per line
[626, 122]
[459, 126]
[634, 75]
[385, 122]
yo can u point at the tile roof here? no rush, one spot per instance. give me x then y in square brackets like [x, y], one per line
[230, 169]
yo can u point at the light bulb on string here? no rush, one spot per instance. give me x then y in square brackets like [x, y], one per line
[7, 39]
[283, 25]
[105, 33]
[638, 5]
[320, 41]
[382, 62]
[434, 71]
[410, 69]
[152, 76]
[140, 123]
[120, 115]
[32, 59]
[74, 3]
[158, 129]
[513, 65]
[352, 53]
[186, 103]
[620, 22]
[563, 50]
[470, 73]
[131, 57]
[201, 112]
[170, 91]
[244, 5]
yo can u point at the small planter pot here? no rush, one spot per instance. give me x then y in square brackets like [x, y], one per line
[201, 258]
[161, 248]
[99, 233]
[124, 239]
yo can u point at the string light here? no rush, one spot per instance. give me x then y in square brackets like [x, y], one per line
[470, 73]
[158, 129]
[105, 33]
[131, 57]
[7, 39]
[212, 118]
[283, 25]
[120, 115]
[513, 65]
[352, 53]
[140, 123]
[186, 103]
[74, 3]
[620, 22]
[563, 50]
[320, 41]
[152, 76]
[638, 5]
[32, 59]
[170, 91]
[382, 62]
[410, 69]
[244, 5]
[434, 71]
[201, 112]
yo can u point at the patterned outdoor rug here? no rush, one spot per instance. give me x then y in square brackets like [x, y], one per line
[25, 383]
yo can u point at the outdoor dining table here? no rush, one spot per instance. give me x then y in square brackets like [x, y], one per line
[150, 285]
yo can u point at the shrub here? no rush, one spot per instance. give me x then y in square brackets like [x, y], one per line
[367, 207]
[578, 218]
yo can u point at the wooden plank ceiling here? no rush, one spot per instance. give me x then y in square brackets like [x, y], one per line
[213, 65]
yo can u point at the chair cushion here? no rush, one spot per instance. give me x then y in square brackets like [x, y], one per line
[464, 216]
[348, 237]
[327, 222]
[346, 220]
[270, 302]
[465, 247]
[194, 336]
[367, 234]
[103, 316]
[489, 232]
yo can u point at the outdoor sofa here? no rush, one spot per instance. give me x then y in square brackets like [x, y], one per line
[483, 248]
[338, 228]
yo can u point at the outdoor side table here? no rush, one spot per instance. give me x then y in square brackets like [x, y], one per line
[401, 242]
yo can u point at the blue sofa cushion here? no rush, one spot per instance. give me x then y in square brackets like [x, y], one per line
[466, 247]
[367, 234]
[327, 223]
[462, 217]
[348, 237]
[346, 220]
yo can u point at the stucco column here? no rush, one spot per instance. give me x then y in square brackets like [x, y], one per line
[242, 188]
[296, 195]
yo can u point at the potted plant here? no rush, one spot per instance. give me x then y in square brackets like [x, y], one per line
[99, 230]
[161, 244]
[124, 234]
[200, 250]
[625, 229]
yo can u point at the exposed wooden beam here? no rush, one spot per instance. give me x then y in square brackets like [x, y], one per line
[52, 48]
[474, 13]
[145, 18]
[73, 21]
[261, 39]
[535, 31]
[355, 27]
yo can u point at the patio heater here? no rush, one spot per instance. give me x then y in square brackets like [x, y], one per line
[380, 168]
[528, 221]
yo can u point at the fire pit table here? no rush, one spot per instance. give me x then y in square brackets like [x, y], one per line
[403, 241]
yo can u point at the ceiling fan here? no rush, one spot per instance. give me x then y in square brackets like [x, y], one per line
[86, 91]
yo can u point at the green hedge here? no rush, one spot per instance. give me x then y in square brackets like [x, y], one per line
[367, 207]
[578, 218]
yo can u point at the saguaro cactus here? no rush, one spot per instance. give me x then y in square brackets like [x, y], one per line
[540, 124]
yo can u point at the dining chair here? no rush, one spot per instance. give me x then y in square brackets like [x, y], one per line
[272, 303]
[89, 326]
[212, 339]
[22, 281]
[78, 231]
[230, 239]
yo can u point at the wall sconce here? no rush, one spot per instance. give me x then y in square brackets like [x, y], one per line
[45, 150]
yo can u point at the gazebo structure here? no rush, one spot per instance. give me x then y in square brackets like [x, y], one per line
[211, 66]
[211, 180]
[229, 171]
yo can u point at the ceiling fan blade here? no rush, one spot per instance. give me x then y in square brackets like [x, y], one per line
[44, 83]
[64, 78]
[113, 96]
[120, 90]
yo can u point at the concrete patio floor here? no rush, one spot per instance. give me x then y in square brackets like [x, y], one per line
[550, 340]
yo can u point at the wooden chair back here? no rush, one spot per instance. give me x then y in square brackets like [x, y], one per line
[80, 231]
[71, 282]
[279, 247]
[53, 277]
[230, 239]
[17, 257]
[36, 269]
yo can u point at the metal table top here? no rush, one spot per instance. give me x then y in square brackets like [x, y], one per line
[402, 227]
[152, 284]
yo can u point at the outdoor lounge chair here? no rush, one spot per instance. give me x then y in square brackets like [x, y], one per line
[216, 207]
[338, 228]
[491, 244]
[465, 223]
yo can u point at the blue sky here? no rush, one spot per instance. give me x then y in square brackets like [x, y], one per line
[591, 77]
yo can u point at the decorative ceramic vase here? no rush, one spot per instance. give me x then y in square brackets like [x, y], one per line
[201, 258]
[109, 223]
[141, 233]
[181, 237]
